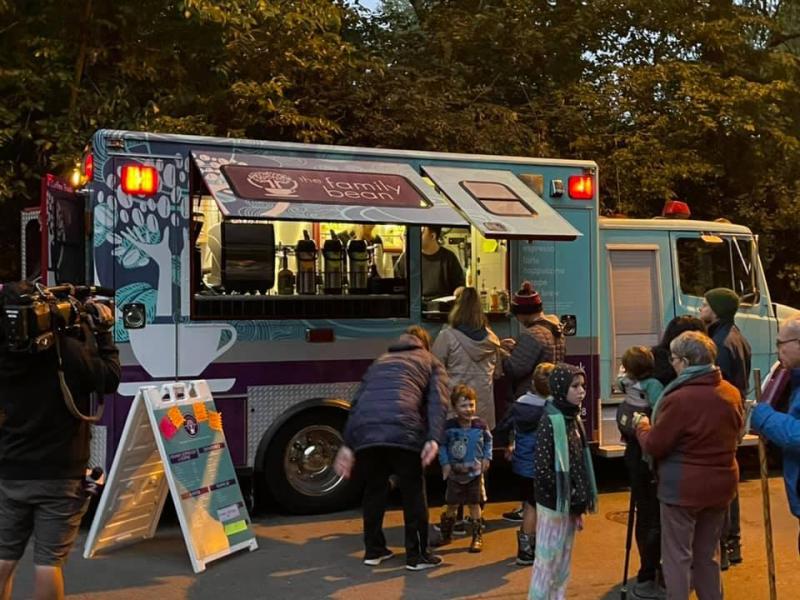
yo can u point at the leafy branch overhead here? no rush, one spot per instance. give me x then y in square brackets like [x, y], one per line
[699, 100]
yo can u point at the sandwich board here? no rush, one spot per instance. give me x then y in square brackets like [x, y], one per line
[173, 442]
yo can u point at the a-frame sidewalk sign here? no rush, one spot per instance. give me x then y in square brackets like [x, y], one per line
[173, 441]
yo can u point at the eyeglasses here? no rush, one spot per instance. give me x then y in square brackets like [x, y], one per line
[779, 343]
[674, 357]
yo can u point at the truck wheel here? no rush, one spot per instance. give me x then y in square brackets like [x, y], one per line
[298, 468]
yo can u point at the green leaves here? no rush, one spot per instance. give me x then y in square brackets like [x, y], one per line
[699, 100]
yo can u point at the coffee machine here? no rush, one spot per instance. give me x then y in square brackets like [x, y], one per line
[333, 269]
[358, 259]
[306, 255]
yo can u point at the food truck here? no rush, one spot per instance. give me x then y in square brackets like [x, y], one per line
[278, 271]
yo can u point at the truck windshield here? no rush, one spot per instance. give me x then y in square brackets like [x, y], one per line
[703, 266]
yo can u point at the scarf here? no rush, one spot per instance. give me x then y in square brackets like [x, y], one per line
[687, 374]
[558, 412]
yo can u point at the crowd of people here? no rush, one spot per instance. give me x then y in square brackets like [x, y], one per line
[682, 418]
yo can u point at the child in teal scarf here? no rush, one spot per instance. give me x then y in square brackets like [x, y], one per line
[564, 482]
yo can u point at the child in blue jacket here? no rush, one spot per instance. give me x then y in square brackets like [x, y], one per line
[522, 420]
[465, 454]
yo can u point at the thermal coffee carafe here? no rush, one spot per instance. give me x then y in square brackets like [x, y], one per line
[306, 253]
[332, 253]
[358, 257]
[285, 276]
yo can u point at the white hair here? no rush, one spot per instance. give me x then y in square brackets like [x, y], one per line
[791, 325]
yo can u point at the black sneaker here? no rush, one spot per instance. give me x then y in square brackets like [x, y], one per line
[724, 560]
[374, 561]
[515, 516]
[427, 561]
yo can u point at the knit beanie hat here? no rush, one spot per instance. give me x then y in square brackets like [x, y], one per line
[526, 301]
[724, 302]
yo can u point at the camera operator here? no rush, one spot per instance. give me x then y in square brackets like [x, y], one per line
[44, 449]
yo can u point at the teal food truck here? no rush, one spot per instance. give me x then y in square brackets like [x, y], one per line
[269, 270]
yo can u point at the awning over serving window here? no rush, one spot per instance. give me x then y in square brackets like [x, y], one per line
[500, 205]
[272, 186]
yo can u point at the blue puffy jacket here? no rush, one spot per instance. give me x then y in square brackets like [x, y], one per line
[783, 429]
[523, 418]
[402, 399]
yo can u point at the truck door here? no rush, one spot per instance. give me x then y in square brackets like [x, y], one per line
[63, 217]
[706, 261]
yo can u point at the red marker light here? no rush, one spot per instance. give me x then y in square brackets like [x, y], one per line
[581, 187]
[676, 209]
[88, 167]
[139, 179]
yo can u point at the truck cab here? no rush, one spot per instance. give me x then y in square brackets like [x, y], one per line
[652, 270]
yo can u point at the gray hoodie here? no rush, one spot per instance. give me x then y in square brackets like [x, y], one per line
[472, 362]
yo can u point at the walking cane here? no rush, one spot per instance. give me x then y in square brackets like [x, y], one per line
[762, 461]
[623, 592]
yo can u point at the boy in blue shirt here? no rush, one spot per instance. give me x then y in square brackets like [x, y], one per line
[465, 454]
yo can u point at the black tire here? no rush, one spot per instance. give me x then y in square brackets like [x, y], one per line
[314, 488]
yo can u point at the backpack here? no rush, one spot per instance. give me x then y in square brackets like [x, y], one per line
[635, 401]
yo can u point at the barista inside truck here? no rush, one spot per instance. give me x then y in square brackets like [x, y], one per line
[441, 271]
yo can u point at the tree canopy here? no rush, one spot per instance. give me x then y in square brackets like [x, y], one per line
[673, 98]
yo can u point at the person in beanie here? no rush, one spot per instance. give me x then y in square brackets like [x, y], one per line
[541, 340]
[733, 359]
[564, 482]
[717, 312]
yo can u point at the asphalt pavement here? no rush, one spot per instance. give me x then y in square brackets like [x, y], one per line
[320, 557]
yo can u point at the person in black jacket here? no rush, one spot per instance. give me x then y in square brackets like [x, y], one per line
[396, 421]
[662, 369]
[733, 359]
[44, 449]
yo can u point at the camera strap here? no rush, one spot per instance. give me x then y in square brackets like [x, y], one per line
[68, 399]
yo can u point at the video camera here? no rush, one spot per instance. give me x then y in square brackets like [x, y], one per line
[31, 323]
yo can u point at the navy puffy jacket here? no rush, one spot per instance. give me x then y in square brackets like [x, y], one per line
[402, 399]
[523, 418]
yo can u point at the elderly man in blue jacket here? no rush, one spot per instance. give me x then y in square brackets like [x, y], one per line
[783, 429]
[396, 420]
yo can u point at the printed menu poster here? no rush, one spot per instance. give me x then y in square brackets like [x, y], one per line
[197, 456]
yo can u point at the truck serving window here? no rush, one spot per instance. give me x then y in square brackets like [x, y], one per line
[720, 262]
[256, 269]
